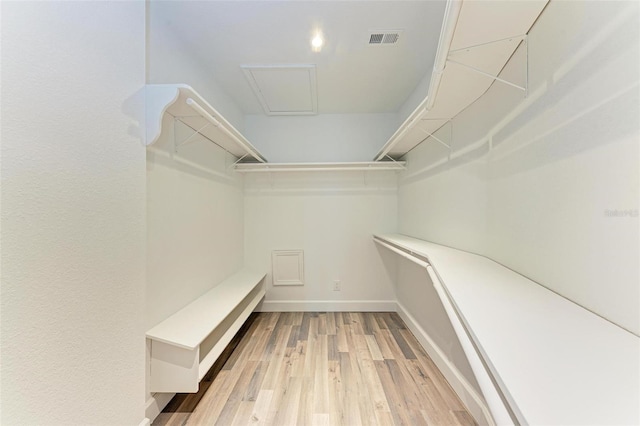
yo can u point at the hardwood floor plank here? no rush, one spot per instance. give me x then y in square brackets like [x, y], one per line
[350, 408]
[310, 359]
[382, 324]
[356, 323]
[253, 388]
[259, 349]
[396, 403]
[374, 386]
[298, 359]
[275, 357]
[303, 333]
[321, 420]
[341, 333]
[368, 322]
[235, 397]
[286, 411]
[282, 319]
[374, 349]
[336, 392]
[331, 323]
[402, 344]
[322, 323]
[244, 412]
[296, 318]
[321, 386]
[434, 375]
[293, 336]
[312, 368]
[261, 407]
[212, 403]
[361, 346]
[305, 412]
[393, 320]
[280, 386]
[410, 394]
[332, 347]
[382, 342]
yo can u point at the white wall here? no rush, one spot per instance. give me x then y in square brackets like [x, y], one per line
[73, 213]
[169, 60]
[195, 228]
[560, 161]
[417, 295]
[195, 222]
[319, 138]
[332, 217]
[418, 95]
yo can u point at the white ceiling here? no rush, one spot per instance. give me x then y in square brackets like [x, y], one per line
[352, 77]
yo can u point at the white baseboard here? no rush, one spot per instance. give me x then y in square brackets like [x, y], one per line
[467, 393]
[145, 422]
[327, 306]
[156, 404]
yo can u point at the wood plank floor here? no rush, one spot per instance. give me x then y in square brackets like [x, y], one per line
[299, 368]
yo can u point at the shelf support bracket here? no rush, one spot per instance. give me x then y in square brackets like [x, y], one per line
[468, 48]
[429, 134]
[190, 138]
[524, 89]
[523, 38]
[237, 161]
[391, 158]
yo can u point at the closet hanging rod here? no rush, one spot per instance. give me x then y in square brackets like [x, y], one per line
[196, 107]
[318, 167]
[407, 255]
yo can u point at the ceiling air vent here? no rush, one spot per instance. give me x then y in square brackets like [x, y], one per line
[386, 37]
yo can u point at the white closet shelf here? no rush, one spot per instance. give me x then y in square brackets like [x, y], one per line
[554, 361]
[476, 41]
[184, 104]
[185, 345]
[321, 167]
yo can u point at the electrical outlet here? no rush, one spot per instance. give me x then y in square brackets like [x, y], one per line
[336, 285]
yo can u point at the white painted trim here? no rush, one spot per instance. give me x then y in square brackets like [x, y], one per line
[467, 393]
[327, 306]
[156, 404]
[145, 422]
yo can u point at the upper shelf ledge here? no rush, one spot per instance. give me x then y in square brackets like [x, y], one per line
[477, 40]
[184, 104]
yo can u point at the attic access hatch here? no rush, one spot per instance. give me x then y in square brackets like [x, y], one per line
[284, 89]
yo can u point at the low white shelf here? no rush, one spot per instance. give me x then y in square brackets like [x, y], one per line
[553, 361]
[185, 345]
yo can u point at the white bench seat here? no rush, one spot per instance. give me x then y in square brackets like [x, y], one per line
[185, 345]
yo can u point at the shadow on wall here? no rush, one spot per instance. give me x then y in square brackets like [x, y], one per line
[594, 94]
[578, 100]
[134, 108]
[195, 155]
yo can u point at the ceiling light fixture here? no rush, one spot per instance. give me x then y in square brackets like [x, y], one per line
[316, 43]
